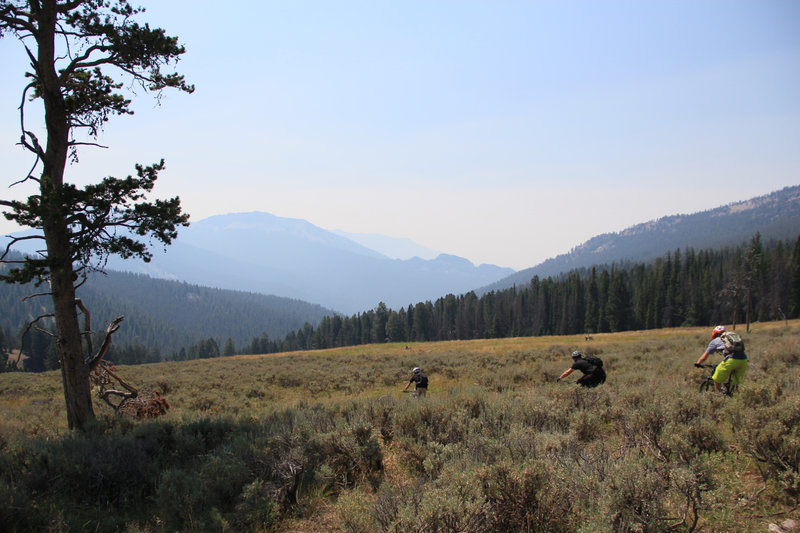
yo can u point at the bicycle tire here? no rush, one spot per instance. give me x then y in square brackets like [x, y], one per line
[707, 385]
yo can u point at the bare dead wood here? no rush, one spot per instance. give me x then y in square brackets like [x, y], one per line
[106, 392]
[130, 400]
[110, 330]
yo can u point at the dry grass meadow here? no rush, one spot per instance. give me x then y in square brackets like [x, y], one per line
[326, 441]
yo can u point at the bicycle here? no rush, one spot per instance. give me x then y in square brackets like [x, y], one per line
[708, 384]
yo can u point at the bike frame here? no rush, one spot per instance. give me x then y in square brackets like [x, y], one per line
[707, 383]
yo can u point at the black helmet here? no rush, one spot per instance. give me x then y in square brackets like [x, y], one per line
[576, 353]
[416, 370]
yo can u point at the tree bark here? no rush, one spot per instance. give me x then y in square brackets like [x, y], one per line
[74, 371]
[74, 40]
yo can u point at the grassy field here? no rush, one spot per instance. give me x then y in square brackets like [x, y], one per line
[325, 441]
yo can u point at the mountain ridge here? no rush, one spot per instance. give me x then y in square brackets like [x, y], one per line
[392, 247]
[775, 216]
[293, 258]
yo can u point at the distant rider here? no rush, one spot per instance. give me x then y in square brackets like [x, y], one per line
[420, 380]
[593, 373]
[732, 363]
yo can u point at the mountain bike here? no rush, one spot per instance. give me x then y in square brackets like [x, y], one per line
[707, 384]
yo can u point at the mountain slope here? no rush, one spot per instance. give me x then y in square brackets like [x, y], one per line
[392, 247]
[774, 216]
[166, 314]
[259, 252]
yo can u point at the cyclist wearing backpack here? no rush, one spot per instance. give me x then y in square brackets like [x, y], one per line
[591, 366]
[420, 379]
[734, 361]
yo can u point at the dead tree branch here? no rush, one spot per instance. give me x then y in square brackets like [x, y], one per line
[110, 330]
[103, 376]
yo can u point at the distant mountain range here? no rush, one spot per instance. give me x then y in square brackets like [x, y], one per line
[351, 273]
[291, 258]
[391, 247]
[260, 252]
[774, 216]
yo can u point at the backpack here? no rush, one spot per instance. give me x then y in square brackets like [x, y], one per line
[733, 342]
[594, 360]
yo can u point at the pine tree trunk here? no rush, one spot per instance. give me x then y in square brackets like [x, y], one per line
[74, 370]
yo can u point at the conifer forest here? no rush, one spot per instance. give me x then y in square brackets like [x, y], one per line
[757, 281]
[753, 282]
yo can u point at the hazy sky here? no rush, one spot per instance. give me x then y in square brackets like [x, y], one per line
[505, 132]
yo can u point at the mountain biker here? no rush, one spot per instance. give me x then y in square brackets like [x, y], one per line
[593, 375]
[732, 363]
[420, 379]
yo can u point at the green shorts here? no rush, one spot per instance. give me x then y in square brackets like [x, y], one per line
[737, 367]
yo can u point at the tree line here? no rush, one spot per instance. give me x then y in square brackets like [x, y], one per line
[751, 282]
[164, 319]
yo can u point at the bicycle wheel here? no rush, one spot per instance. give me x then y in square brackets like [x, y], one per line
[707, 385]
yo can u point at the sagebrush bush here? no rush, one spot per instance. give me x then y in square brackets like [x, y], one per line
[253, 442]
[771, 435]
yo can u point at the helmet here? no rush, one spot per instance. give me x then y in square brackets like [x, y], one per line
[576, 353]
[719, 330]
[416, 370]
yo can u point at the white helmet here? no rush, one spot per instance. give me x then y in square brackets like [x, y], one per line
[416, 370]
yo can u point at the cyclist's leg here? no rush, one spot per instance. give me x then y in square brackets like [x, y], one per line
[739, 371]
[723, 371]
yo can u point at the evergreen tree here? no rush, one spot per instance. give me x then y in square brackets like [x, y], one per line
[229, 349]
[618, 303]
[752, 268]
[794, 287]
[603, 282]
[396, 326]
[381, 316]
[39, 353]
[73, 47]
[590, 321]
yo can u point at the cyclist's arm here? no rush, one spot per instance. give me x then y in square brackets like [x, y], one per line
[703, 357]
[714, 346]
[706, 354]
[566, 373]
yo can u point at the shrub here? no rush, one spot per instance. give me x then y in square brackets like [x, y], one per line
[355, 511]
[771, 435]
[522, 498]
[633, 494]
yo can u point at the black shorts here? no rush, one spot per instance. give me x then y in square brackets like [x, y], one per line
[594, 379]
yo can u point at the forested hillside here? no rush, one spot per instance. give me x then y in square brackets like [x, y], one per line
[165, 319]
[171, 320]
[755, 282]
[775, 216]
